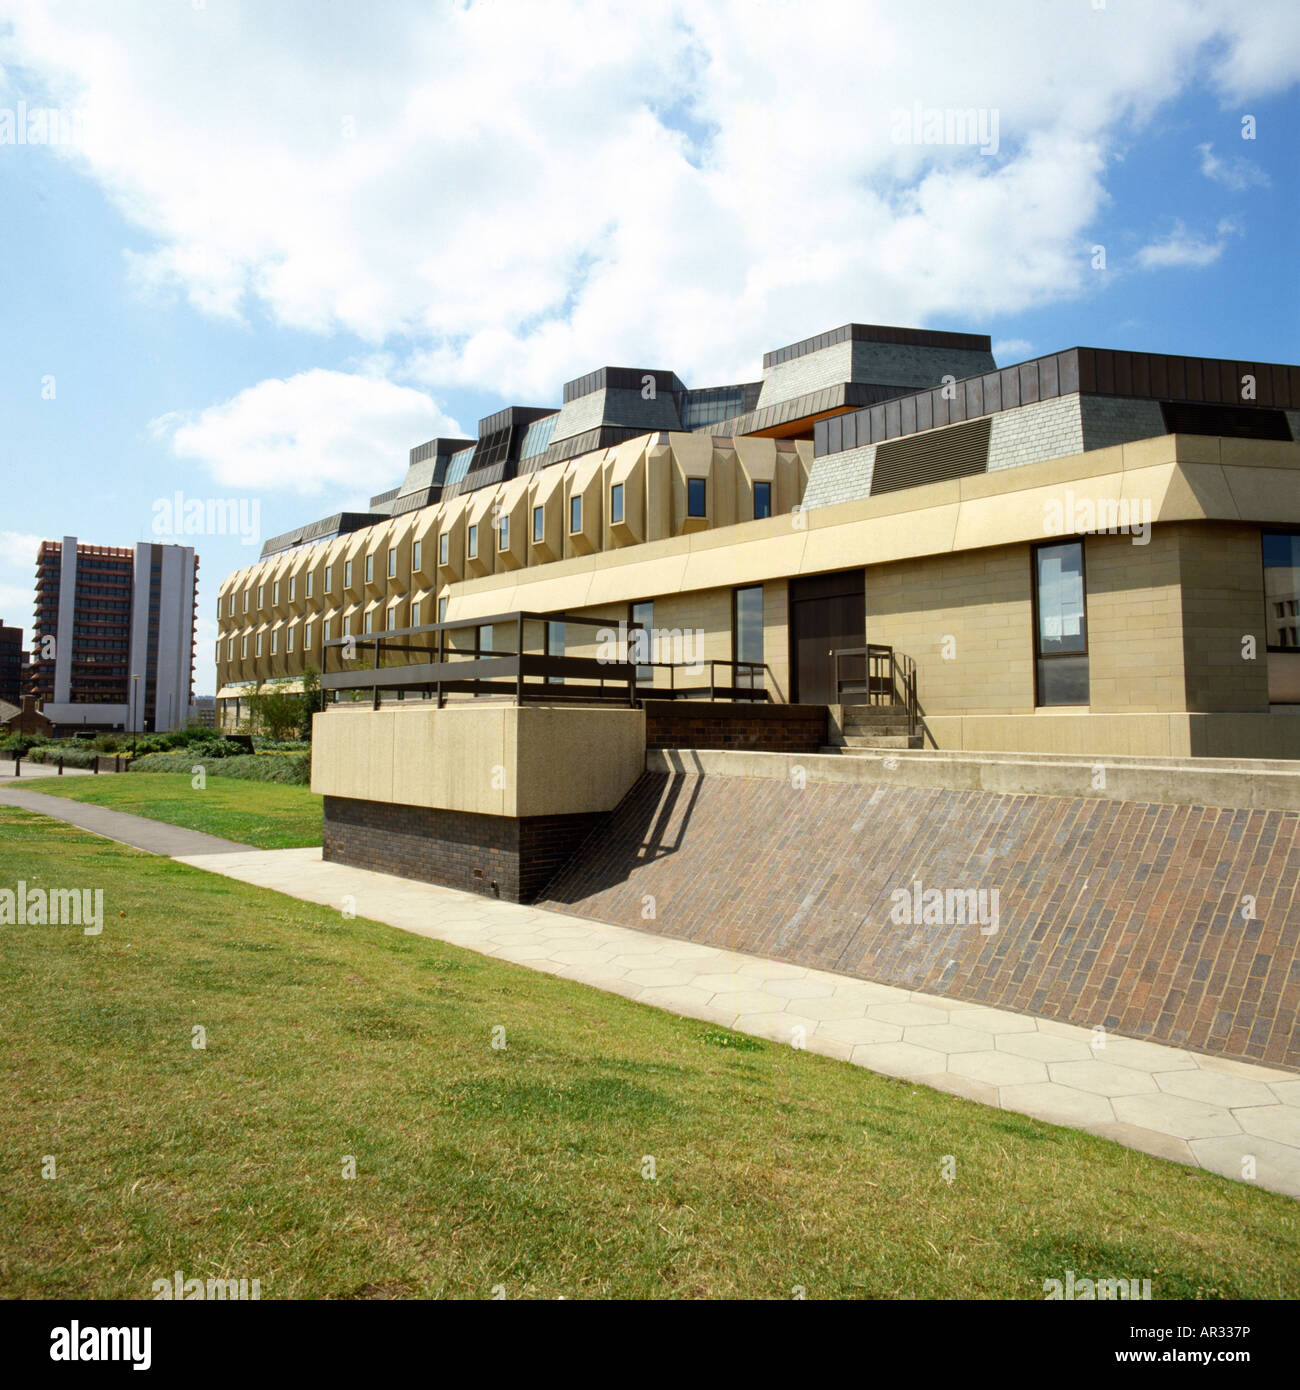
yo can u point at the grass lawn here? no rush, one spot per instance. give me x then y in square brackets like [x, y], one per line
[521, 1167]
[270, 815]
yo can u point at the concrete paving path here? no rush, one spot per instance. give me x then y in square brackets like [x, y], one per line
[152, 835]
[1235, 1118]
[1230, 1117]
[40, 770]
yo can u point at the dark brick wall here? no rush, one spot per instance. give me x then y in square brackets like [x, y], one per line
[1120, 913]
[759, 728]
[497, 856]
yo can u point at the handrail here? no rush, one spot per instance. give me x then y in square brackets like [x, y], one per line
[890, 679]
[446, 669]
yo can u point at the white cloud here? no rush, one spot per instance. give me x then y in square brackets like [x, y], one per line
[311, 433]
[1182, 249]
[1007, 350]
[18, 548]
[1237, 172]
[502, 196]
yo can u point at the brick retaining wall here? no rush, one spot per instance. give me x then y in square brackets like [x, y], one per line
[497, 856]
[719, 724]
[1115, 913]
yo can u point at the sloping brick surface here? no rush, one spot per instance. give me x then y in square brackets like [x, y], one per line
[1123, 914]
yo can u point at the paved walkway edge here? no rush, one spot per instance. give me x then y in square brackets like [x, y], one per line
[1232, 1118]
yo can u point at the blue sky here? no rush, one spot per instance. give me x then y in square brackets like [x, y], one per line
[282, 253]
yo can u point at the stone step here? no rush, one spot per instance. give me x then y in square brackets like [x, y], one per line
[865, 743]
[880, 726]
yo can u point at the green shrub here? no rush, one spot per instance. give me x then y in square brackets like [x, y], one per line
[72, 757]
[291, 768]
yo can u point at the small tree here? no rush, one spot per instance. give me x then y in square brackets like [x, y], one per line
[313, 701]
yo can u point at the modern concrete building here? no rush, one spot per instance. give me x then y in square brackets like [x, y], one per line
[1093, 551]
[119, 622]
[11, 665]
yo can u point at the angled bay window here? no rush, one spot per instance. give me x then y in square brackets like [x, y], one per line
[616, 503]
[539, 525]
[1060, 625]
[575, 515]
[762, 500]
[697, 491]
[471, 542]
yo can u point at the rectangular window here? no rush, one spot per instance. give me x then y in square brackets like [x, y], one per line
[293, 587]
[347, 574]
[762, 500]
[245, 600]
[539, 525]
[471, 542]
[415, 615]
[392, 618]
[442, 610]
[575, 515]
[325, 630]
[1281, 553]
[288, 640]
[444, 548]
[417, 549]
[616, 503]
[641, 645]
[306, 637]
[243, 647]
[230, 650]
[370, 569]
[329, 578]
[747, 634]
[347, 627]
[275, 593]
[365, 623]
[310, 583]
[1060, 625]
[484, 639]
[697, 496]
[503, 533]
[555, 647]
[275, 643]
[261, 594]
[257, 645]
[392, 563]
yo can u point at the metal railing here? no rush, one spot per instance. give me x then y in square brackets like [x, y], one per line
[438, 663]
[883, 675]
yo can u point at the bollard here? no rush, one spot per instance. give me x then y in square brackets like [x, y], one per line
[95, 767]
[18, 764]
[60, 767]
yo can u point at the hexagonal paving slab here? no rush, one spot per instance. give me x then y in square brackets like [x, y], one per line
[1102, 1078]
[996, 1021]
[1213, 1088]
[860, 1030]
[802, 988]
[900, 1059]
[907, 1014]
[1188, 1119]
[1044, 1047]
[1278, 1122]
[1047, 1100]
[998, 1068]
[949, 1038]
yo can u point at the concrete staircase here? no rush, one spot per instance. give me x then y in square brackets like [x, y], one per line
[876, 726]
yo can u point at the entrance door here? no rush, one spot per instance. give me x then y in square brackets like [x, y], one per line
[826, 611]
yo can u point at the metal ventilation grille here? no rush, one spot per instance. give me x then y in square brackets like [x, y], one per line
[955, 452]
[1231, 421]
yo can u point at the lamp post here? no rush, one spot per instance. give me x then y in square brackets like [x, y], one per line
[135, 698]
